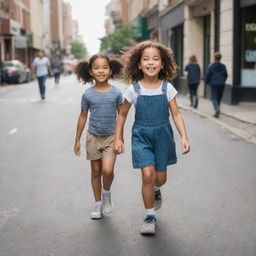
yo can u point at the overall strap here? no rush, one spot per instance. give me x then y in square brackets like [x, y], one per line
[164, 87]
[136, 87]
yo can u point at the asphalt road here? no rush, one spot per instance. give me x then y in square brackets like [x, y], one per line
[209, 201]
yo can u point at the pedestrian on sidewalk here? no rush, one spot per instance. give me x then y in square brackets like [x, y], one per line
[216, 76]
[56, 66]
[104, 101]
[42, 68]
[149, 65]
[194, 76]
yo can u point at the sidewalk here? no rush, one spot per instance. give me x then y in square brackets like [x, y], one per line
[238, 119]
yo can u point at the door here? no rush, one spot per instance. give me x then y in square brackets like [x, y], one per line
[207, 52]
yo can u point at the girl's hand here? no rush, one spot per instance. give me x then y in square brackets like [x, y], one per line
[77, 148]
[185, 145]
[118, 146]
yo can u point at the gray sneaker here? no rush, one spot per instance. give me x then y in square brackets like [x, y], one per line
[149, 225]
[158, 199]
[97, 212]
[107, 204]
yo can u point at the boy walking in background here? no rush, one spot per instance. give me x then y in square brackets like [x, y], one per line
[216, 76]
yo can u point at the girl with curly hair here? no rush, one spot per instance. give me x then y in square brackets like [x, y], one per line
[150, 66]
[104, 101]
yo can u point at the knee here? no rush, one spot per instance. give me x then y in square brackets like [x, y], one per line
[96, 172]
[108, 173]
[148, 178]
[161, 181]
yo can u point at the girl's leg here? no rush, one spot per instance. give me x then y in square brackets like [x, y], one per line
[148, 182]
[161, 178]
[108, 171]
[96, 172]
[108, 176]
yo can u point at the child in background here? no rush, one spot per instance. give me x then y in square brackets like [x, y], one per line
[57, 69]
[149, 65]
[216, 76]
[194, 74]
[104, 101]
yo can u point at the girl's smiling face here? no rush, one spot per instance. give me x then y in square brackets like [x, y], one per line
[100, 70]
[151, 62]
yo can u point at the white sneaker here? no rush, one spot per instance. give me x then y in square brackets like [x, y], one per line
[149, 226]
[107, 204]
[97, 212]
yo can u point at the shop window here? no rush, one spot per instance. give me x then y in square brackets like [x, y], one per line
[248, 61]
[176, 43]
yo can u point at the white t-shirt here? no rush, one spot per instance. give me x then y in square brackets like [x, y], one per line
[41, 65]
[131, 96]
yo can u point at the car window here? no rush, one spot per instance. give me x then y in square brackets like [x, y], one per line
[8, 64]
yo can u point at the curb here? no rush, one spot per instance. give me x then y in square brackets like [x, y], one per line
[237, 132]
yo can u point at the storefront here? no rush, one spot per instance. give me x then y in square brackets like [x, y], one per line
[153, 24]
[245, 51]
[9, 28]
[21, 48]
[139, 29]
[172, 34]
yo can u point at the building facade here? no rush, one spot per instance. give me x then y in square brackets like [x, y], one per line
[57, 37]
[15, 29]
[67, 27]
[7, 30]
[114, 15]
[202, 27]
[47, 41]
[37, 28]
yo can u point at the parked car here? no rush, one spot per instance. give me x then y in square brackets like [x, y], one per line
[15, 71]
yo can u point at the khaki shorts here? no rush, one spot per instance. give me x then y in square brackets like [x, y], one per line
[98, 147]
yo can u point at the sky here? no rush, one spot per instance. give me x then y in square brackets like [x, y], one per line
[90, 15]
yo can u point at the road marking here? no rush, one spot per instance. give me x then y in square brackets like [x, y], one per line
[12, 131]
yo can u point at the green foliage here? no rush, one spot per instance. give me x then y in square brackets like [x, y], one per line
[78, 50]
[117, 40]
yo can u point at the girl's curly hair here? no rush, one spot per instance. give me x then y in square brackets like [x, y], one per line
[132, 58]
[82, 69]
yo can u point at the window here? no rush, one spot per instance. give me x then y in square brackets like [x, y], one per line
[248, 61]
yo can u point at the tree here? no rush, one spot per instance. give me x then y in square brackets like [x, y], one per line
[78, 50]
[117, 40]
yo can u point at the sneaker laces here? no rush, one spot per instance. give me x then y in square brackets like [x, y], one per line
[107, 198]
[157, 195]
[150, 219]
[97, 208]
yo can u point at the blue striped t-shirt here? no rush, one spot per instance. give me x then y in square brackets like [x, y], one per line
[103, 111]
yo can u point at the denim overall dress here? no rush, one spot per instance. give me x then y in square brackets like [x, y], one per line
[152, 135]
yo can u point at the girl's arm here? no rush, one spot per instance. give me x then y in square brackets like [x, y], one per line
[180, 125]
[118, 108]
[80, 127]
[118, 145]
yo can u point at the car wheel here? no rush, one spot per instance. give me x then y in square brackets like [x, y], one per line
[19, 80]
[28, 79]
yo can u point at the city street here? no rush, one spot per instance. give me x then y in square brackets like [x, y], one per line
[209, 206]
